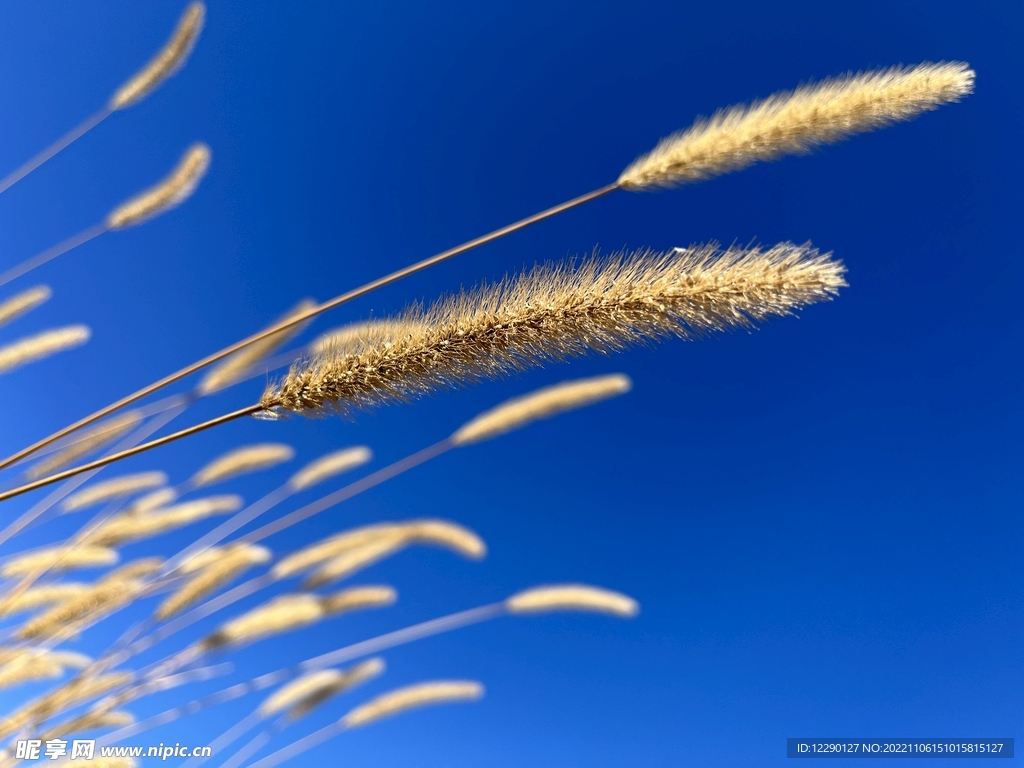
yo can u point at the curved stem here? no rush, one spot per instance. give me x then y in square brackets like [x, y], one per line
[317, 310]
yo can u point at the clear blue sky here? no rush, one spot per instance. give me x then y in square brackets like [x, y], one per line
[821, 519]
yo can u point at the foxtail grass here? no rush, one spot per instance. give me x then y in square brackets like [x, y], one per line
[227, 563]
[56, 559]
[412, 697]
[386, 705]
[556, 312]
[287, 613]
[128, 527]
[241, 461]
[33, 665]
[640, 175]
[45, 594]
[573, 597]
[115, 488]
[236, 367]
[341, 655]
[551, 313]
[23, 302]
[169, 193]
[329, 466]
[42, 345]
[75, 692]
[299, 698]
[542, 404]
[167, 61]
[88, 442]
[797, 122]
[305, 694]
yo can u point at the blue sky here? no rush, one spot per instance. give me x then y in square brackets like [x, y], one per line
[820, 518]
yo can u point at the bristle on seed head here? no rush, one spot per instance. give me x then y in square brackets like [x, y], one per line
[236, 367]
[797, 122]
[557, 312]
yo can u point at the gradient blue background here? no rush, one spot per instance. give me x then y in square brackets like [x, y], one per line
[821, 519]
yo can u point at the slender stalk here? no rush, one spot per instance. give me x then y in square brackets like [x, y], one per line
[39, 509]
[248, 411]
[53, 252]
[32, 515]
[353, 489]
[313, 312]
[118, 654]
[299, 746]
[357, 650]
[253, 746]
[64, 141]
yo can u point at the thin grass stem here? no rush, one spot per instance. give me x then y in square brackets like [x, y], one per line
[62, 143]
[43, 482]
[357, 650]
[53, 252]
[311, 313]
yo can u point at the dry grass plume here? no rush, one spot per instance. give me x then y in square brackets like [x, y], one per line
[115, 488]
[572, 597]
[226, 563]
[241, 461]
[542, 404]
[555, 312]
[236, 367]
[129, 527]
[59, 559]
[88, 441]
[42, 345]
[329, 466]
[287, 613]
[167, 61]
[32, 664]
[23, 302]
[411, 697]
[796, 122]
[46, 594]
[169, 193]
[302, 696]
